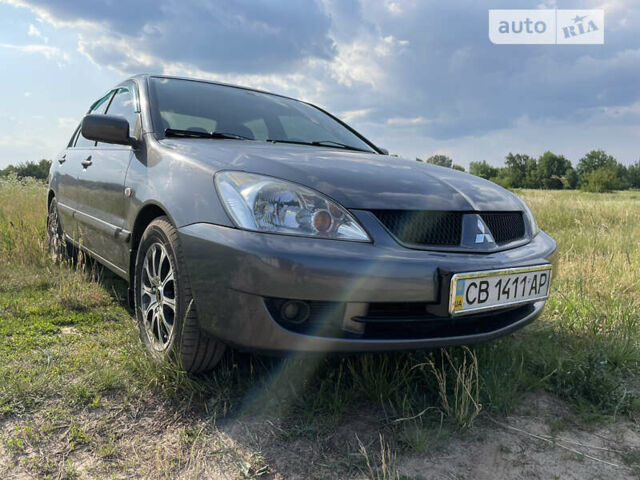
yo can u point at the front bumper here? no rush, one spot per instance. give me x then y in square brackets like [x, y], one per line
[233, 271]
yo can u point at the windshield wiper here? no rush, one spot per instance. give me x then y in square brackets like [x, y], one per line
[331, 143]
[320, 143]
[175, 132]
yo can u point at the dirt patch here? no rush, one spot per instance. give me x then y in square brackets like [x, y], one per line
[153, 440]
[526, 445]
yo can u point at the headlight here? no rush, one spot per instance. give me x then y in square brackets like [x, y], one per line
[533, 225]
[267, 204]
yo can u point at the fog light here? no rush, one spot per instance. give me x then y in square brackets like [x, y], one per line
[295, 311]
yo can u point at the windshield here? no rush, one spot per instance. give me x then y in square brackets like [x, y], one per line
[207, 107]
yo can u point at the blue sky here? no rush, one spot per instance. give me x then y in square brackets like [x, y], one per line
[417, 77]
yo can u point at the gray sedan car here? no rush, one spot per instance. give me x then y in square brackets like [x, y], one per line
[254, 220]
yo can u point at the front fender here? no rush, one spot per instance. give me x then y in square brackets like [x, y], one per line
[181, 186]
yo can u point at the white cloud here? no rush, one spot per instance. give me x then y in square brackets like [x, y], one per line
[34, 32]
[51, 53]
[45, 15]
[407, 121]
[622, 112]
[355, 63]
[361, 60]
[396, 7]
[351, 115]
[117, 49]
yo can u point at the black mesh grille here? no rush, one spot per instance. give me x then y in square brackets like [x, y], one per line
[445, 228]
[423, 227]
[504, 226]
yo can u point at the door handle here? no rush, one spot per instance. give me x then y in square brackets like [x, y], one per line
[62, 159]
[87, 162]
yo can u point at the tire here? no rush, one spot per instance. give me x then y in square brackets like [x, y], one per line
[165, 311]
[59, 249]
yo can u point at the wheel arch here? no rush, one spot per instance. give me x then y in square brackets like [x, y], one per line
[147, 214]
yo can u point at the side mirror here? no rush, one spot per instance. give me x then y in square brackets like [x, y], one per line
[106, 129]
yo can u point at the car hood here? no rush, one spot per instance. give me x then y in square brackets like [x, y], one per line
[356, 180]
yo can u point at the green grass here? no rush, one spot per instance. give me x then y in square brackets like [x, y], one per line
[70, 357]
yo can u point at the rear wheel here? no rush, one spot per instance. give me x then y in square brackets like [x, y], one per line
[167, 317]
[58, 247]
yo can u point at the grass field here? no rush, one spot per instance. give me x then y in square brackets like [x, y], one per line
[79, 398]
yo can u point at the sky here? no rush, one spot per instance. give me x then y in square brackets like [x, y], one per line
[416, 77]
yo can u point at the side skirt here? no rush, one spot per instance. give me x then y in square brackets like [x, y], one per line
[114, 268]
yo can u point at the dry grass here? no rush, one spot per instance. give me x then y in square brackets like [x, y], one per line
[462, 402]
[383, 466]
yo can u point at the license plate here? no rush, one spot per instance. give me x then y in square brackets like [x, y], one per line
[489, 290]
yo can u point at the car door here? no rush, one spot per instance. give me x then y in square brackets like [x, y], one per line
[101, 187]
[68, 171]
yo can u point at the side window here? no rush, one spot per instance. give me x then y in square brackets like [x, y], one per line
[123, 105]
[98, 107]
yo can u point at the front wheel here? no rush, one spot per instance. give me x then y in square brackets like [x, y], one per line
[166, 314]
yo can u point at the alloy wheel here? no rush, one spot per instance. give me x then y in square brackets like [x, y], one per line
[158, 296]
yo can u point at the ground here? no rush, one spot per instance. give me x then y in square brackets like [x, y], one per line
[79, 398]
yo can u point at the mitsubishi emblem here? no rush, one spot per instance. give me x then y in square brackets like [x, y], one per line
[483, 235]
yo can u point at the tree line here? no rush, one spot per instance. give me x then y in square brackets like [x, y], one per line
[597, 171]
[39, 170]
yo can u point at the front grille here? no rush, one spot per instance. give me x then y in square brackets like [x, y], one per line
[431, 327]
[423, 227]
[435, 228]
[400, 310]
[504, 226]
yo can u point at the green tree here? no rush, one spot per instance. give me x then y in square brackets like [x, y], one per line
[483, 169]
[594, 160]
[551, 170]
[503, 178]
[601, 180]
[38, 170]
[633, 175]
[622, 172]
[440, 160]
[532, 178]
[570, 178]
[516, 168]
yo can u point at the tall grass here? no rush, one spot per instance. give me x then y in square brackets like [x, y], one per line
[22, 222]
[593, 316]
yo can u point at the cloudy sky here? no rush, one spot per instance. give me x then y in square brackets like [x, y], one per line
[417, 77]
